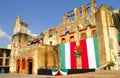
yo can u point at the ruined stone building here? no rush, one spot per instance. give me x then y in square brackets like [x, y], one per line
[86, 24]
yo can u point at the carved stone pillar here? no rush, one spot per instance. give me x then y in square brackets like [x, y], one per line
[93, 6]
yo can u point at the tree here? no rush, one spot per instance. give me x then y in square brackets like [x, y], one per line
[116, 19]
[110, 8]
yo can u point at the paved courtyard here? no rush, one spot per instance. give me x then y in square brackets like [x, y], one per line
[98, 74]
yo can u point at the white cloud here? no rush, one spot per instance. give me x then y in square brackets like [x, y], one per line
[30, 33]
[4, 35]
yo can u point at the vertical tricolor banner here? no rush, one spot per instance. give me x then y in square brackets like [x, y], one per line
[89, 55]
[67, 58]
[89, 58]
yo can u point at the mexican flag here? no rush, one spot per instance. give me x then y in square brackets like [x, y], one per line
[67, 58]
[50, 33]
[89, 55]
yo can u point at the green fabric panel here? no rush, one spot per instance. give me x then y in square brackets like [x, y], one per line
[96, 52]
[64, 70]
[62, 56]
[54, 70]
[119, 36]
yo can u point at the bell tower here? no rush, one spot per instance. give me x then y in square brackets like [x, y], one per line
[20, 27]
[17, 25]
[19, 38]
[20, 33]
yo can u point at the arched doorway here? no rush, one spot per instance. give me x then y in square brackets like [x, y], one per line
[30, 66]
[23, 64]
[18, 66]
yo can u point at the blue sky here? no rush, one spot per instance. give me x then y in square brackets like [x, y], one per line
[40, 15]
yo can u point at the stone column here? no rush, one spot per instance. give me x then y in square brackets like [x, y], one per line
[20, 65]
[84, 10]
[65, 19]
[93, 6]
[88, 32]
[76, 13]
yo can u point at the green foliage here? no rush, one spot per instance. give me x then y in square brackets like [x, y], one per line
[118, 15]
[77, 54]
[111, 63]
[116, 19]
[87, 25]
[110, 8]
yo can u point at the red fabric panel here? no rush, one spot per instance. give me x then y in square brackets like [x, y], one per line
[73, 58]
[38, 40]
[84, 56]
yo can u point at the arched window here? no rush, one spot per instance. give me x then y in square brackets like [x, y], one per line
[63, 40]
[94, 33]
[71, 39]
[83, 36]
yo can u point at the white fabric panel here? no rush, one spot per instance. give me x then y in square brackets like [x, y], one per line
[91, 53]
[67, 56]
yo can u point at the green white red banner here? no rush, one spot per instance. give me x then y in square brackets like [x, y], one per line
[89, 54]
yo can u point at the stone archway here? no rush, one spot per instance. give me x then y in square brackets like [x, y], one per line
[30, 66]
[18, 66]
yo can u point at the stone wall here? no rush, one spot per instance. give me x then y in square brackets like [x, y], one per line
[42, 56]
[46, 55]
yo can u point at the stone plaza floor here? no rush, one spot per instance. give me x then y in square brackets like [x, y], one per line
[97, 74]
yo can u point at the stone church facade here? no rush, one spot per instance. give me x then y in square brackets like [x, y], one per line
[86, 24]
